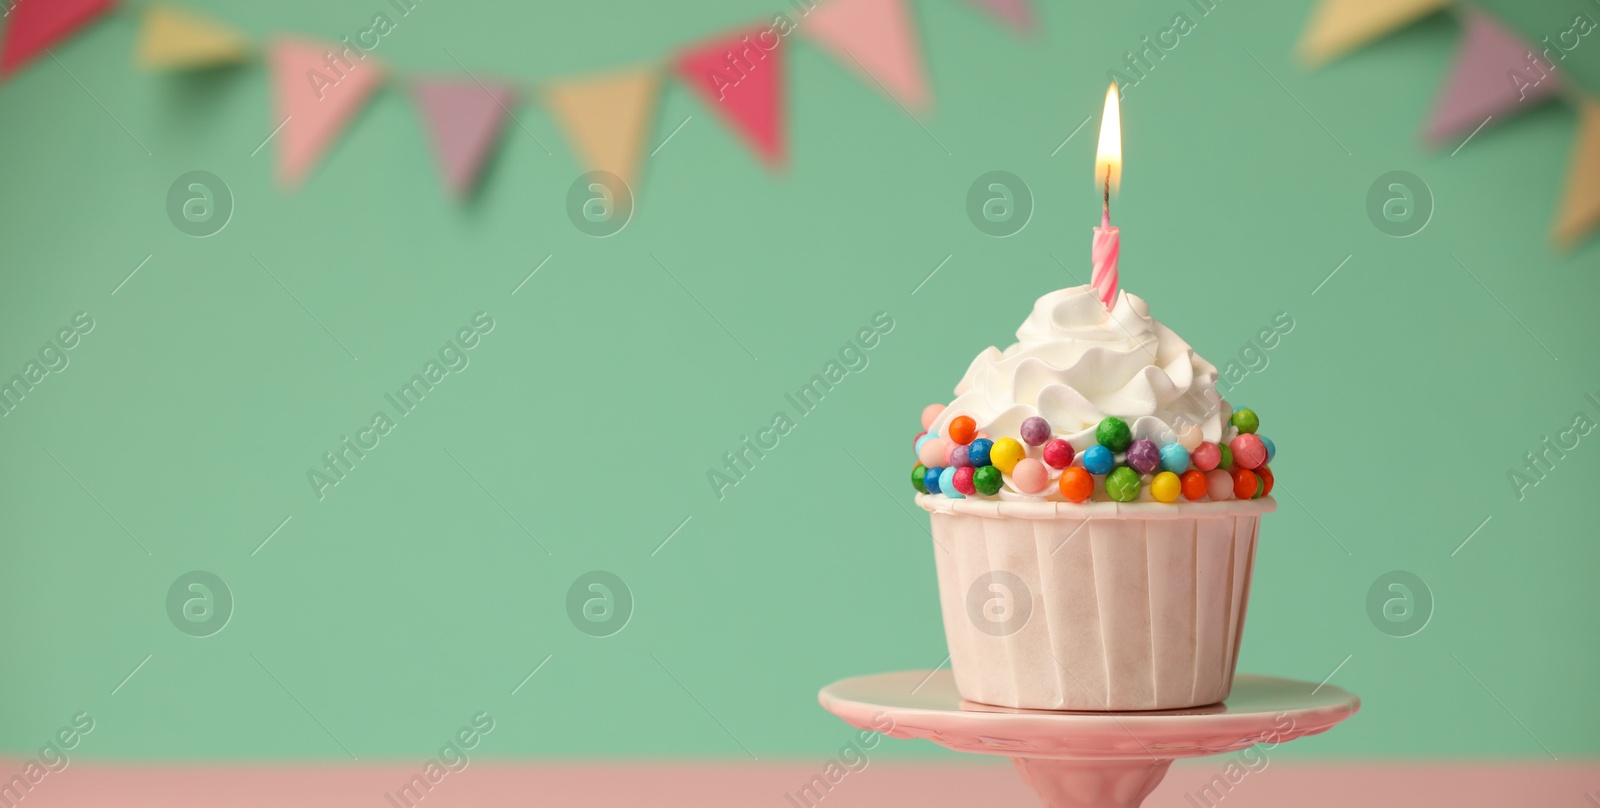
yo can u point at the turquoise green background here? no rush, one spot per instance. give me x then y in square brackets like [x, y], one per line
[414, 596]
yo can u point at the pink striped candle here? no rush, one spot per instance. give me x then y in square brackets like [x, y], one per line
[1108, 165]
[1107, 244]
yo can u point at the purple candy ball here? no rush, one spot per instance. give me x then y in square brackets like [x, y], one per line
[1144, 456]
[960, 456]
[1035, 431]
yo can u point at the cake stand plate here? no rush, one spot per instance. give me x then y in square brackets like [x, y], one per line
[1083, 759]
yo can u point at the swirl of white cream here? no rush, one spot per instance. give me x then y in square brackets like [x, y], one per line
[1075, 363]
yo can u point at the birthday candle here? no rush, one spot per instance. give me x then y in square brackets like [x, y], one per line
[1107, 169]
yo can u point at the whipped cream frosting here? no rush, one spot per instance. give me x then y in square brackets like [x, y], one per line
[1076, 363]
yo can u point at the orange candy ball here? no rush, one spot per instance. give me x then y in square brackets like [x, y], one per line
[962, 429]
[1077, 484]
[1194, 484]
[1245, 483]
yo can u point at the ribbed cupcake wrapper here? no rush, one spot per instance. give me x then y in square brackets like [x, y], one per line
[1125, 613]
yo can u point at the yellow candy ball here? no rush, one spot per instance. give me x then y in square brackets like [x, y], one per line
[1005, 453]
[1166, 487]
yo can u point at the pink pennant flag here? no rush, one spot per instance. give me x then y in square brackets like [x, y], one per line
[1496, 75]
[877, 39]
[1018, 14]
[35, 25]
[741, 77]
[466, 120]
[319, 88]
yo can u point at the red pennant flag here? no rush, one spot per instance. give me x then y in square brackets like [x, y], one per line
[1018, 14]
[875, 38]
[741, 77]
[466, 120]
[1496, 74]
[319, 88]
[38, 24]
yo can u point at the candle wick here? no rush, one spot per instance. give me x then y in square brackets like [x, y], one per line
[1107, 204]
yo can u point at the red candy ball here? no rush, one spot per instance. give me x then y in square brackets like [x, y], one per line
[1195, 485]
[1245, 483]
[1076, 484]
[1266, 475]
[963, 429]
[1058, 453]
[963, 481]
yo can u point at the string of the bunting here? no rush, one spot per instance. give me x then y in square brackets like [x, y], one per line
[320, 87]
[1496, 75]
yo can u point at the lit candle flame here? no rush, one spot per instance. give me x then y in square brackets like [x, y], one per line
[1108, 157]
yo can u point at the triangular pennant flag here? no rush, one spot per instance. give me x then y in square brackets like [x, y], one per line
[37, 24]
[171, 37]
[607, 117]
[465, 119]
[318, 91]
[1017, 14]
[877, 39]
[1580, 210]
[1341, 25]
[1492, 76]
[741, 77]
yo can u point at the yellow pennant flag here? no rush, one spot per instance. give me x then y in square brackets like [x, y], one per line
[1341, 25]
[172, 38]
[1580, 210]
[607, 116]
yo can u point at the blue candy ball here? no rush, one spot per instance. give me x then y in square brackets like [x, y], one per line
[930, 480]
[1098, 459]
[924, 439]
[1272, 451]
[1175, 458]
[978, 451]
[947, 483]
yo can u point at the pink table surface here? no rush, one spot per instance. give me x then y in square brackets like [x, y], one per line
[1465, 784]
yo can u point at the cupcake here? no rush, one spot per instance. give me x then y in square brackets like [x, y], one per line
[1094, 504]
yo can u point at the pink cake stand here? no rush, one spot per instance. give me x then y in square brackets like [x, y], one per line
[1087, 760]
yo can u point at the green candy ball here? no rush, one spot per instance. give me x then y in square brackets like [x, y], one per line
[1246, 421]
[1113, 433]
[1226, 462]
[987, 480]
[919, 476]
[1261, 486]
[1122, 484]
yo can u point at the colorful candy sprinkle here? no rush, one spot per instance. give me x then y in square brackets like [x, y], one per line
[962, 429]
[921, 439]
[1005, 453]
[978, 451]
[1098, 460]
[1175, 458]
[1190, 437]
[1219, 485]
[947, 484]
[931, 481]
[934, 452]
[1035, 431]
[1058, 453]
[1143, 456]
[1266, 478]
[1166, 486]
[958, 456]
[1195, 485]
[930, 414]
[1225, 462]
[916, 442]
[1246, 421]
[1206, 456]
[1244, 483]
[1113, 433]
[1248, 451]
[1030, 476]
[963, 481]
[919, 473]
[987, 479]
[1122, 484]
[1272, 449]
[1076, 484]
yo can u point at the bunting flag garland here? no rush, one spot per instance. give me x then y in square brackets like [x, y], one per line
[1493, 75]
[1580, 208]
[1338, 26]
[466, 120]
[171, 38]
[741, 77]
[318, 91]
[37, 24]
[875, 38]
[1016, 14]
[607, 117]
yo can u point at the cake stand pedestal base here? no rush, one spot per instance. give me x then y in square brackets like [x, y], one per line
[1085, 759]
